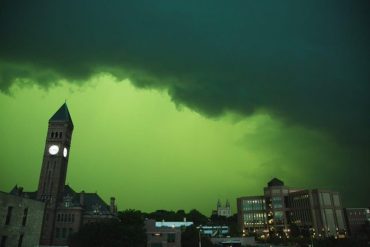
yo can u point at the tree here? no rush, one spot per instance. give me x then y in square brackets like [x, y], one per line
[126, 230]
[198, 218]
[133, 227]
[190, 238]
[99, 234]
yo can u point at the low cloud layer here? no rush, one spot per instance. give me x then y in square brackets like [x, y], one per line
[306, 62]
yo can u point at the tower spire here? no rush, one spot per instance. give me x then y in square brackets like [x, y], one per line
[62, 115]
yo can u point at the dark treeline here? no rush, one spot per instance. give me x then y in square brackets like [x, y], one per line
[128, 229]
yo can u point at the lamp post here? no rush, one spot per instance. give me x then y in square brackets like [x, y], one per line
[200, 238]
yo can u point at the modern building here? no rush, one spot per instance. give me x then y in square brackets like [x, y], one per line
[223, 211]
[65, 210]
[161, 234]
[252, 216]
[20, 220]
[358, 221]
[317, 212]
[275, 195]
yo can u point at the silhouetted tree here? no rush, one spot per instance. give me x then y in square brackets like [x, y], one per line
[218, 220]
[126, 230]
[232, 222]
[133, 227]
[198, 218]
[190, 238]
[99, 234]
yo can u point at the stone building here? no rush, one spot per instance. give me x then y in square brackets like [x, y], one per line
[20, 220]
[223, 211]
[65, 209]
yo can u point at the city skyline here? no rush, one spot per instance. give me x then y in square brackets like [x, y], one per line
[178, 105]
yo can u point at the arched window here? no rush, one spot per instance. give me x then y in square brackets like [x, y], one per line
[60, 134]
[56, 134]
[52, 134]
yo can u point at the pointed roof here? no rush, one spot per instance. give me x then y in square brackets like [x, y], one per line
[62, 115]
[275, 182]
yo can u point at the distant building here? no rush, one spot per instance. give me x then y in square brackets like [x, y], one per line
[20, 220]
[252, 216]
[223, 211]
[234, 241]
[318, 212]
[65, 210]
[174, 224]
[275, 197]
[215, 231]
[164, 234]
[358, 220]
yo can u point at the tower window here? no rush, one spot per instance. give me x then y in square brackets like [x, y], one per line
[44, 188]
[3, 241]
[57, 232]
[8, 215]
[56, 134]
[60, 134]
[52, 134]
[20, 240]
[25, 213]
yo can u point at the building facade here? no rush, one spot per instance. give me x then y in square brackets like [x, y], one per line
[163, 235]
[20, 220]
[316, 212]
[65, 209]
[252, 216]
[358, 221]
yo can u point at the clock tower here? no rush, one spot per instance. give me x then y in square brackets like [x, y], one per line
[54, 168]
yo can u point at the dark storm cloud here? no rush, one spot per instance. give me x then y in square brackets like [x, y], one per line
[305, 61]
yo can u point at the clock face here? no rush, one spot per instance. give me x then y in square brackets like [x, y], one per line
[65, 152]
[53, 149]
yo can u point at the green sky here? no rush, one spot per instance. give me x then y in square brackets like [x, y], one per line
[179, 103]
[136, 145]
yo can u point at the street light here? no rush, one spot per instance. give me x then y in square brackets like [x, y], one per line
[312, 233]
[200, 239]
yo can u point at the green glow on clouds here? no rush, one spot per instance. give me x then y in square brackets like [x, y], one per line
[150, 154]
